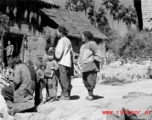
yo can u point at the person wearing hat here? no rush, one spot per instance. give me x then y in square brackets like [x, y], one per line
[19, 95]
[90, 58]
[64, 54]
[50, 74]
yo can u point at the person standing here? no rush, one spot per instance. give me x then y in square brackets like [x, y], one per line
[9, 52]
[64, 54]
[50, 74]
[90, 57]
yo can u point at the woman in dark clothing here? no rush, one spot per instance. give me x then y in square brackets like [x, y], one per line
[90, 57]
[20, 93]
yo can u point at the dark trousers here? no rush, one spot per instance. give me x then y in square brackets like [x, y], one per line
[41, 86]
[51, 87]
[65, 80]
[9, 59]
[89, 80]
[8, 94]
[38, 91]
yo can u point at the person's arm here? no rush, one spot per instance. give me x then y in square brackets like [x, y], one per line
[4, 48]
[17, 77]
[59, 49]
[55, 65]
[41, 75]
[81, 54]
[96, 51]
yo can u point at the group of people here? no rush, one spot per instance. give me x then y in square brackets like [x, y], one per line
[57, 64]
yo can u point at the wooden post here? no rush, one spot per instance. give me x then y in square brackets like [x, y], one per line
[23, 49]
[94, 15]
[2, 51]
[104, 43]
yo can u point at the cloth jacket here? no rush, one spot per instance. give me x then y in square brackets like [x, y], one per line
[90, 57]
[51, 67]
[9, 50]
[24, 81]
[64, 52]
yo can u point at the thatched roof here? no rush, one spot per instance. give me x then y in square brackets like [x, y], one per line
[73, 21]
[49, 2]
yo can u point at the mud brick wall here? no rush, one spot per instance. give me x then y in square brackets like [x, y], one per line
[147, 13]
[35, 47]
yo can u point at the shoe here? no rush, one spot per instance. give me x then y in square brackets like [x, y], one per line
[64, 98]
[89, 98]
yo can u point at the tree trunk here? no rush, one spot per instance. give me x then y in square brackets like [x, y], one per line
[118, 28]
[129, 26]
[2, 51]
[23, 50]
[95, 15]
[112, 23]
[85, 10]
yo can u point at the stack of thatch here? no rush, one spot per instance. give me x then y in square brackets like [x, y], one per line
[126, 73]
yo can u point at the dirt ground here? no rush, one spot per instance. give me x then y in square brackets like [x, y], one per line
[80, 109]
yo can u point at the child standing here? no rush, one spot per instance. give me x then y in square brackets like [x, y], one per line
[51, 77]
[40, 81]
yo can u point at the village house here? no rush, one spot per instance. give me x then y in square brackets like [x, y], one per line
[25, 19]
[29, 21]
[76, 24]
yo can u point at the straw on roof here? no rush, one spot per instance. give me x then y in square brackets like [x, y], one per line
[73, 21]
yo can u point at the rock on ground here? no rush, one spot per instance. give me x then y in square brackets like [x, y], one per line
[134, 106]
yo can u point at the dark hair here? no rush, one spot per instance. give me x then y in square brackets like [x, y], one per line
[88, 34]
[16, 60]
[50, 52]
[63, 30]
[48, 47]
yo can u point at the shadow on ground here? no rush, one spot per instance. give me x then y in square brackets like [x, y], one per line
[96, 97]
[74, 97]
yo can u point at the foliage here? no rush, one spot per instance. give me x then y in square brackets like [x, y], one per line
[78, 5]
[130, 16]
[136, 45]
[100, 19]
[110, 5]
[71, 5]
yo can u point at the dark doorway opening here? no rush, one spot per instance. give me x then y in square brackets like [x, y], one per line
[16, 41]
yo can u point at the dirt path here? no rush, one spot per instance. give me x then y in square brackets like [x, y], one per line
[80, 109]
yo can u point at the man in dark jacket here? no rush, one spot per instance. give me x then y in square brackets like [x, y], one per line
[19, 94]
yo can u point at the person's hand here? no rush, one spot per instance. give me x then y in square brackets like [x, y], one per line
[11, 53]
[3, 48]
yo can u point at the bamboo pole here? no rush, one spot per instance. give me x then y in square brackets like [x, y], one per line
[23, 49]
[94, 15]
[2, 51]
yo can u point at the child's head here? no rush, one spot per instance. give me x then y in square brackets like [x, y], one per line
[38, 65]
[50, 55]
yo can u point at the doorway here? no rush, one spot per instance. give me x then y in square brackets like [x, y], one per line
[16, 41]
